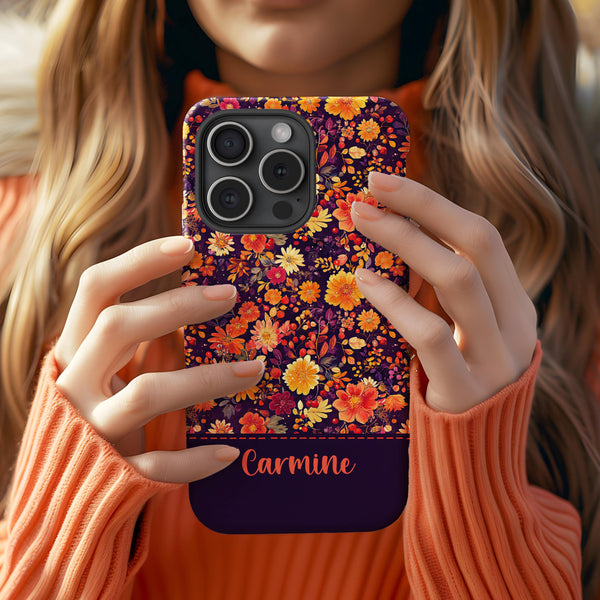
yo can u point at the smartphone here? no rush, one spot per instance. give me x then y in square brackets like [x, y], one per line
[268, 188]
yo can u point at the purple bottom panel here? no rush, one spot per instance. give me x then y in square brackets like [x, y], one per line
[305, 486]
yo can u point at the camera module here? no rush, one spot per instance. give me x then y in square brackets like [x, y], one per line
[229, 199]
[281, 171]
[229, 143]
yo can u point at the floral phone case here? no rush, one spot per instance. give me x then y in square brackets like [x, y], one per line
[324, 436]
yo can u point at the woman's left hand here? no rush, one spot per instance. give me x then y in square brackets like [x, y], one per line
[494, 334]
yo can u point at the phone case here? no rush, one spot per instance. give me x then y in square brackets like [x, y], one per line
[324, 436]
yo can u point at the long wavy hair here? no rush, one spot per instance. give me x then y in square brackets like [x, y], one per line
[505, 142]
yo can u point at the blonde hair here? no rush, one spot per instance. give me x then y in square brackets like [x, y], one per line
[505, 143]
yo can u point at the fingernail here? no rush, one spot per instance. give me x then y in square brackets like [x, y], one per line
[250, 368]
[367, 211]
[384, 181]
[366, 277]
[219, 292]
[226, 453]
[176, 246]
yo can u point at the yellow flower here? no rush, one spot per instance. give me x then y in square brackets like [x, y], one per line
[342, 291]
[309, 292]
[356, 152]
[220, 243]
[301, 375]
[273, 297]
[309, 103]
[220, 426]
[347, 108]
[368, 320]
[368, 130]
[290, 259]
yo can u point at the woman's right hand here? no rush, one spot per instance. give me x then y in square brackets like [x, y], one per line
[101, 336]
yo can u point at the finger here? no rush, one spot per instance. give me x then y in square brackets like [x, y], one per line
[102, 284]
[119, 328]
[184, 466]
[152, 394]
[465, 232]
[457, 282]
[431, 337]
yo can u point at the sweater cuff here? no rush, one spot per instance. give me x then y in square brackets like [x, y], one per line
[75, 503]
[473, 522]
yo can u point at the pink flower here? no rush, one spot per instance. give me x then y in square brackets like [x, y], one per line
[228, 103]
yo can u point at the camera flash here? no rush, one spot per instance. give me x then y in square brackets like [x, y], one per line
[281, 132]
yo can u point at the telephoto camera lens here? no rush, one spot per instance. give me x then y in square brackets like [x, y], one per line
[281, 171]
[229, 199]
[229, 143]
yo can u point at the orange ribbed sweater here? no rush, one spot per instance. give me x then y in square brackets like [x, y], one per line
[83, 523]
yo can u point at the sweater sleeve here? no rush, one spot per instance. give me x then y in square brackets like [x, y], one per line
[474, 527]
[77, 522]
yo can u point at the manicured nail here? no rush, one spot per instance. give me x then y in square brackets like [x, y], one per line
[384, 181]
[250, 368]
[367, 211]
[366, 277]
[219, 292]
[176, 246]
[226, 453]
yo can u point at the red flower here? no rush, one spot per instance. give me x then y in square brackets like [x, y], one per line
[342, 213]
[254, 242]
[276, 275]
[356, 403]
[253, 423]
[228, 103]
[282, 403]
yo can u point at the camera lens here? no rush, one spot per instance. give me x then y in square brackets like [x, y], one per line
[281, 171]
[229, 143]
[229, 199]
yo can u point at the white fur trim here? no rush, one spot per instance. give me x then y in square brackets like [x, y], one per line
[21, 42]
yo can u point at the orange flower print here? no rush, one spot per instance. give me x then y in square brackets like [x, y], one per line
[273, 103]
[309, 292]
[394, 402]
[368, 130]
[220, 243]
[203, 406]
[368, 320]
[220, 426]
[342, 291]
[253, 423]
[347, 108]
[273, 297]
[266, 334]
[301, 375]
[223, 341]
[254, 242]
[204, 263]
[343, 214]
[237, 326]
[356, 403]
[248, 312]
[384, 259]
[310, 103]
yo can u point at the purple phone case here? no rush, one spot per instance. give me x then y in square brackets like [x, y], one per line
[324, 436]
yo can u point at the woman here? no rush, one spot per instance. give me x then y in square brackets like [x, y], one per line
[496, 135]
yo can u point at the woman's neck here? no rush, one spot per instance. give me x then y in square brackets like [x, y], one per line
[372, 69]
